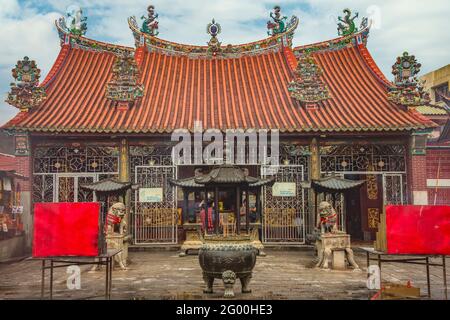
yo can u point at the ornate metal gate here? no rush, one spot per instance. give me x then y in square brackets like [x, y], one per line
[59, 171]
[284, 216]
[155, 222]
[394, 188]
[68, 188]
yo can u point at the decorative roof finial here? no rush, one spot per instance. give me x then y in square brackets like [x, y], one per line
[214, 29]
[308, 87]
[124, 88]
[74, 22]
[348, 27]
[278, 25]
[25, 93]
[408, 89]
[150, 25]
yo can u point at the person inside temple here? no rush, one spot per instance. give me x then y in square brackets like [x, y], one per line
[207, 205]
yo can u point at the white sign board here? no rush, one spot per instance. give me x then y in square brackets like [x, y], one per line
[150, 195]
[284, 189]
[17, 210]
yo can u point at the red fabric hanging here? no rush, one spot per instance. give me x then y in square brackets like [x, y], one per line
[418, 229]
[66, 229]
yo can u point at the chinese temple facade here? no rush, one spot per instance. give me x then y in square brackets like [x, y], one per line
[108, 111]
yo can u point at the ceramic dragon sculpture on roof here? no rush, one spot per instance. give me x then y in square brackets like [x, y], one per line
[348, 26]
[150, 25]
[74, 22]
[278, 25]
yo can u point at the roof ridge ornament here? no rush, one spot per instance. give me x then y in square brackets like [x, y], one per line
[307, 86]
[348, 25]
[278, 25]
[124, 89]
[74, 22]
[150, 25]
[408, 90]
[25, 92]
[214, 45]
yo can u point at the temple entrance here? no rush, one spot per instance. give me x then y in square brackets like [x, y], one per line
[155, 216]
[365, 206]
[284, 207]
[353, 215]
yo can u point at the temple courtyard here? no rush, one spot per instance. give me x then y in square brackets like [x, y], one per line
[282, 274]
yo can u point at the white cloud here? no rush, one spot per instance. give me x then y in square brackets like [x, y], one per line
[420, 27]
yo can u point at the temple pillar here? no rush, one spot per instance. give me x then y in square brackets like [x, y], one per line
[124, 176]
[315, 159]
[238, 210]
[315, 174]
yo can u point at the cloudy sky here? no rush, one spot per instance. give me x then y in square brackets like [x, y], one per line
[420, 27]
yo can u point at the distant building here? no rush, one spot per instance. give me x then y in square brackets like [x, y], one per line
[438, 84]
[438, 147]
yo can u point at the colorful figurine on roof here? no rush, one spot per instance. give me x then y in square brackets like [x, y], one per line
[124, 88]
[408, 90]
[25, 93]
[307, 86]
[214, 45]
[278, 25]
[348, 26]
[150, 24]
[74, 22]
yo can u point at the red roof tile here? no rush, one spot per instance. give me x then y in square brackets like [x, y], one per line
[250, 91]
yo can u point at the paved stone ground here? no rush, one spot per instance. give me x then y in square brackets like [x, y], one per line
[164, 275]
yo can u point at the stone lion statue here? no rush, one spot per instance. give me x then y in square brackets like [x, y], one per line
[116, 234]
[116, 215]
[115, 237]
[327, 218]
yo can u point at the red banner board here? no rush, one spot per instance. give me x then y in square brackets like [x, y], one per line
[418, 230]
[66, 229]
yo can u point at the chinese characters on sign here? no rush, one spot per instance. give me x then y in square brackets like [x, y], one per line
[284, 189]
[21, 145]
[150, 195]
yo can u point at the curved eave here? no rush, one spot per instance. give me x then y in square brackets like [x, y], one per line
[89, 44]
[373, 67]
[324, 45]
[335, 184]
[57, 66]
[305, 130]
[185, 48]
[357, 40]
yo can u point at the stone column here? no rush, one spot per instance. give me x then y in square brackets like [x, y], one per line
[315, 174]
[124, 176]
[24, 166]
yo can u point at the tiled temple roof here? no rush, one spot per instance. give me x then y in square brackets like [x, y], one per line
[244, 87]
